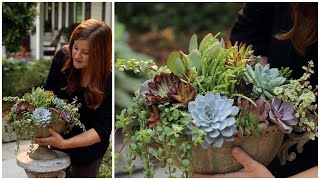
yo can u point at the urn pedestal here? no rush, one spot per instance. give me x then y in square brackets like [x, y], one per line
[44, 152]
[54, 168]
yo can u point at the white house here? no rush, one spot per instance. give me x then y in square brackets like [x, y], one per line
[53, 16]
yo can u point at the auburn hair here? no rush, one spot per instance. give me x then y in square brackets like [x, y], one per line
[98, 34]
[304, 30]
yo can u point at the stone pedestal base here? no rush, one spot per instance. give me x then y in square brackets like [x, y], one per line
[57, 174]
[53, 168]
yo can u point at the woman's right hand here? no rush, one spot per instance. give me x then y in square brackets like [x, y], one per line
[251, 168]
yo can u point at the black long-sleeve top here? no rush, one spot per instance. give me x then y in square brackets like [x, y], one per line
[257, 24]
[100, 119]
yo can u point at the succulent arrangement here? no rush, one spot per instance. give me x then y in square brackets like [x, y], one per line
[210, 96]
[39, 109]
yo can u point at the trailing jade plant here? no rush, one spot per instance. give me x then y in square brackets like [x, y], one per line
[214, 94]
[303, 96]
[39, 109]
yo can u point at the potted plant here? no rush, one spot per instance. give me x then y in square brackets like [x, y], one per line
[35, 112]
[191, 112]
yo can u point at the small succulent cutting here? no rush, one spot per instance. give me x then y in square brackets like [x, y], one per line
[252, 117]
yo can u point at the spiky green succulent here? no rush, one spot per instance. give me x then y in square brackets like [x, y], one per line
[264, 80]
[238, 54]
[211, 66]
[39, 97]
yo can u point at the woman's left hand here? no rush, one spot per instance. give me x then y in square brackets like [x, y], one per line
[54, 140]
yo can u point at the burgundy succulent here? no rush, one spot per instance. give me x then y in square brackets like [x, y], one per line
[185, 94]
[168, 88]
[162, 88]
[282, 114]
[245, 88]
[24, 106]
[154, 118]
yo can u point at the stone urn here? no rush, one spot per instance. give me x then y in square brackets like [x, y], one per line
[220, 160]
[44, 152]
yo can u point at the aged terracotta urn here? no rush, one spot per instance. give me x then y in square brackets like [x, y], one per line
[44, 152]
[220, 160]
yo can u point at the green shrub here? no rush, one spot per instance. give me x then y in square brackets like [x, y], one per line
[17, 20]
[125, 84]
[20, 77]
[183, 17]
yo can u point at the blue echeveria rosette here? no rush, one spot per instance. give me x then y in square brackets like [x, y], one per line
[282, 114]
[214, 114]
[43, 116]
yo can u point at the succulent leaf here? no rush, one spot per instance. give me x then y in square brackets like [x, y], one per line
[154, 118]
[193, 43]
[175, 63]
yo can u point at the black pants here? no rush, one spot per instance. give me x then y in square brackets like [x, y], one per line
[89, 170]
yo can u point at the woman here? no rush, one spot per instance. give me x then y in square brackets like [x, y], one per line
[82, 69]
[285, 34]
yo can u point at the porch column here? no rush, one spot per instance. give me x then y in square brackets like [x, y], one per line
[67, 15]
[52, 17]
[83, 12]
[60, 16]
[47, 11]
[96, 10]
[108, 14]
[39, 31]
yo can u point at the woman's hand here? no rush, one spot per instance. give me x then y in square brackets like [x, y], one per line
[251, 168]
[54, 140]
[86, 138]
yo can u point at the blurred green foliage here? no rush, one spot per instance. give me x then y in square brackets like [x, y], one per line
[19, 77]
[125, 83]
[183, 17]
[105, 170]
[17, 20]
